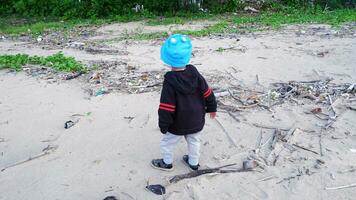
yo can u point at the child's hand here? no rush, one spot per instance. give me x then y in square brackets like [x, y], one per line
[212, 115]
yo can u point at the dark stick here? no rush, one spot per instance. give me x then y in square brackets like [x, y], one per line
[268, 127]
[320, 142]
[72, 76]
[200, 172]
[233, 116]
[305, 149]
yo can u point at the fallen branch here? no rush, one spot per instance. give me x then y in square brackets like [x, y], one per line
[233, 116]
[266, 178]
[288, 178]
[226, 133]
[26, 160]
[222, 106]
[72, 76]
[268, 127]
[320, 142]
[341, 187]
[200, 172]
[276, 136]
[351, 108]
[249, 106]
[352, 169]
[147, 86]
[300, 147]
[259, 143]
[234, 97]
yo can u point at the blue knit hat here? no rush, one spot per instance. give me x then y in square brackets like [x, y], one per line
[176, 51]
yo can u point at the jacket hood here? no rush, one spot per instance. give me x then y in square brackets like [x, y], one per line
[185, 81]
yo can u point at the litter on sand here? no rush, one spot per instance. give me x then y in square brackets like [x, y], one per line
[156, 189]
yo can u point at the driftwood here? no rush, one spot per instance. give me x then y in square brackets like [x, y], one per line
[147, 86]
[26, 160]
[341, 187]
[222, 106]
[232, 142]
[233, 116]
[72, 76]
[351, 108]
[300, 147]
[269, 127]
[259, 143]
[200, 172]
[266, 178]
[352, 169]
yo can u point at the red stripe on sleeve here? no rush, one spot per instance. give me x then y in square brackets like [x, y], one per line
[167, 109]
[167, 105]
[207, 93]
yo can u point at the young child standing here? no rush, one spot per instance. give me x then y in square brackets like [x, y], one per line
[185, 99]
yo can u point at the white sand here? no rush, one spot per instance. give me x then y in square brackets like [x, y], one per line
[106, 154]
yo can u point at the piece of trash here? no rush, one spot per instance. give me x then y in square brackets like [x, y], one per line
[322, 53]
[68, 124]
[353, 150]
[249, 164]
[101, 92]
[156, 189]
[39, 38]
[274, 95]
[251, 9]
[110, 198]
[77, 45]
[95, 76]
[316, 110]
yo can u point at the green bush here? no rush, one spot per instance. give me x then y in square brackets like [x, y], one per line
[105, 8]
[57, 61]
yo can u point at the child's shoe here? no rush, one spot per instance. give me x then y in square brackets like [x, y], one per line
[192, 167]
[160, 164]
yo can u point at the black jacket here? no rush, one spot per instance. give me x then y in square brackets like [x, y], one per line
[185, 99]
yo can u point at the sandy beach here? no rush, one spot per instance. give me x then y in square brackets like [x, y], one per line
[115, 135]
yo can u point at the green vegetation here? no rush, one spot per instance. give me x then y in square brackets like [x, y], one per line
[7, 27]
[271, 15]
[16, 26]
[220, 49]
[251, 23]
[298, 16]
[180, 18]
[56, 61]
[43, 15]
[88, 9]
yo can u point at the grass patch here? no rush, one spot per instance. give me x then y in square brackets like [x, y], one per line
[16, 26]
[228, 23]
[217, 28]
[253, 23]
[57, 61]
[10, 26]
[277, 19]
[180, 18]
[221, 27]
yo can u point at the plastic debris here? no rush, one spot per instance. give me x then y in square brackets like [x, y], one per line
[101, 92]
[249, 164]
[316, 110]
[156, 189]
[110, 198]
[68, 124]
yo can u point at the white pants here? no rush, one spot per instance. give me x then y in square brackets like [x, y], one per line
[169, 142]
